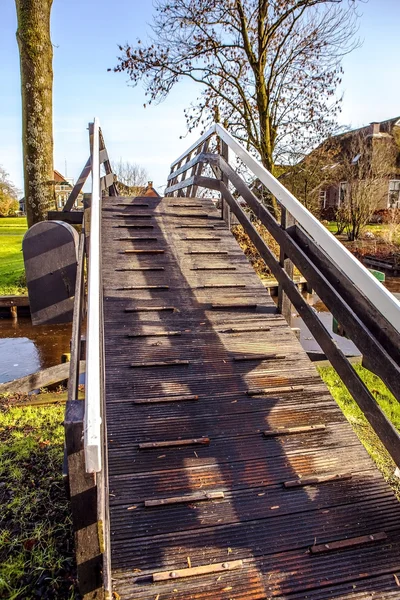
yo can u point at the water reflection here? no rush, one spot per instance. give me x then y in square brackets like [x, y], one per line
[25, 349]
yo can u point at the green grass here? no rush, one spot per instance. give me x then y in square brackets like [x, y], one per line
[364, 431]
[36, 553]
[12, 277]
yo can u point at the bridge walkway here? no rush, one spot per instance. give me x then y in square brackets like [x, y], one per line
[205, 385]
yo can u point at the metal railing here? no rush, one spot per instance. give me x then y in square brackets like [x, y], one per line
[369, 313]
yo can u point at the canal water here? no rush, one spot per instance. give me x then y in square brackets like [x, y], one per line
[25, 349]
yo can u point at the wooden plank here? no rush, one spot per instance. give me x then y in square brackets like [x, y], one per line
[233, 306]
[106, 181]
[196, 497]
[162, 399]
[134, 226]
[149, 251]
[154, 334]
[161, 363]
[179, 186]
[203, 239]
[149, 309]
[316, 479]
[227, 268]
[244, 329]
[284, 389]
[211, 286]
[132, 204]
[294, 430]
[209, 252]
[131, 216]
[140, 269]
[142, 287]
[76, 336]
[349, 543]
[8, 301]
[39, 379]
[136, 239]
[203, 441]
[196, 571]
[247, 357]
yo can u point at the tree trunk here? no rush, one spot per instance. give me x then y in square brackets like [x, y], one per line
[36, 57]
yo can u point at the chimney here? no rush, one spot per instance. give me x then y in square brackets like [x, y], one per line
[375, 128]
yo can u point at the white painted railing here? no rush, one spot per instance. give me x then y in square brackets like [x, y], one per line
[94, 327]
[387, 304]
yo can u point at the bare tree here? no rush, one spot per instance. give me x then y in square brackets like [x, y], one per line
[130, 177]
[8, 195]
[311, 174]
[271, 67]
[365, 172]
[36, 58]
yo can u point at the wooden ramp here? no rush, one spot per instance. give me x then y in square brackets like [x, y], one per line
[233, 473]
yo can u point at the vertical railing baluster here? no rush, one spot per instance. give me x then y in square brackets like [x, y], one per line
[284, 304]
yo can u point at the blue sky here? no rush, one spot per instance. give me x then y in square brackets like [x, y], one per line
[85, 34]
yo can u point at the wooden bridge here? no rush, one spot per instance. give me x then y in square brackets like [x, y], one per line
[215, 463]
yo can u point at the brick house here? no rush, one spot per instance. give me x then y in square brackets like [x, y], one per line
[384, 135]
[62, 189]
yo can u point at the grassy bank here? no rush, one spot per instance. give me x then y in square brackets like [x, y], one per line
[12, 278]
[36, 553]
[364, 431]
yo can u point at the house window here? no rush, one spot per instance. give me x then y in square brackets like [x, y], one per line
[322, 198]
[60, 203]
[343, 190]
[394, 194]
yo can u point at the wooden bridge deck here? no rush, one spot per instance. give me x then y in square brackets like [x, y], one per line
[177, 287]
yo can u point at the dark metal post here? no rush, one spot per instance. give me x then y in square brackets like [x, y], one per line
[225, 208]
[284, 304]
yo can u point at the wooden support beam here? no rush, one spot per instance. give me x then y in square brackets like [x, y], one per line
[39, 379]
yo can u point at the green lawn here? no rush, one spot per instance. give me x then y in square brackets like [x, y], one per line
[36, 550]
[12, 278]
[364, 431]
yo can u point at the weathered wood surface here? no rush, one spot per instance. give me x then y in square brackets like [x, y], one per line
[267, 526]
[39, 379]
[50, 257]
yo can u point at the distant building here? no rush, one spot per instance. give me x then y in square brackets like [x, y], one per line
[332, 194]
[62, 189]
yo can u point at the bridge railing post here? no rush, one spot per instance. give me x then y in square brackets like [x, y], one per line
[83, 497]
[225, 208]
[284, 304]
